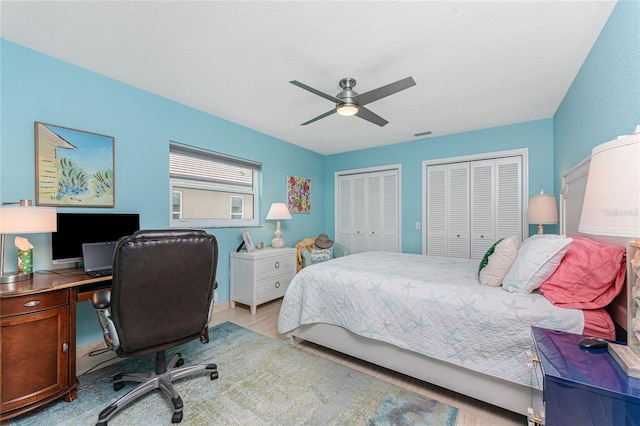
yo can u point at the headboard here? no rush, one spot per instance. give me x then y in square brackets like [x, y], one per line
[574, 183]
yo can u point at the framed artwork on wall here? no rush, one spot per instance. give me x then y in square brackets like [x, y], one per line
[298, 194]
[74, 168]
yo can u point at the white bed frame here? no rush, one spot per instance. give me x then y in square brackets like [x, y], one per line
[509, 395]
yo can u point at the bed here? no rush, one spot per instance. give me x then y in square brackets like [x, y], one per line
[429, 318]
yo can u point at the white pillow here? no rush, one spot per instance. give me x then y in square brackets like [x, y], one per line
[538, 257]
[321, 255]
[500, 262]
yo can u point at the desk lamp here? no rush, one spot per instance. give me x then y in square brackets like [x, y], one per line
[542, 210]
[611, 208]
[277, 212]
[23, 218]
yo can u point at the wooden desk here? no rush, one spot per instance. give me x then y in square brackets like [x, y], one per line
[38, 331]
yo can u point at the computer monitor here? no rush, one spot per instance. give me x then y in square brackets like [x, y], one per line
[74, 229]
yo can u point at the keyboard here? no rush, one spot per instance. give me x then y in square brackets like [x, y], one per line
[100, 273]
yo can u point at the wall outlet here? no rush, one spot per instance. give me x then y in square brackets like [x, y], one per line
[215, 296]
[417, 225]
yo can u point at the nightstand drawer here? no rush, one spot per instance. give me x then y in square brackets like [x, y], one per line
[275, 266]
[273, 288]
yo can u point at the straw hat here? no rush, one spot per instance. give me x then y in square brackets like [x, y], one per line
[323, 241]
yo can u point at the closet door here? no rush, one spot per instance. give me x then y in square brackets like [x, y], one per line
[368, 211]
[458, 210]
[482, 207]
[390, 211]
[436, 210]
[343, 215]
[508, 211]
[358, 242]
[448, 210]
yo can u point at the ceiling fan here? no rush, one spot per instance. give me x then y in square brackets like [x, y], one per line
[349, 102]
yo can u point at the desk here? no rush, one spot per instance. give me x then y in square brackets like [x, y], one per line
[38, 329]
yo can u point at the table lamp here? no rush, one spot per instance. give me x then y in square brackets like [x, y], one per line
[277, 212]
[611, 207]
[23, 218]
[542, 210]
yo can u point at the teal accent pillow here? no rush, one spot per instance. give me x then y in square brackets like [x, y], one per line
[485, 259]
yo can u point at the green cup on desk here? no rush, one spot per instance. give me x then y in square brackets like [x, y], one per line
[25, 261]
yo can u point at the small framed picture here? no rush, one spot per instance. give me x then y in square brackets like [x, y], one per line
[248, 242]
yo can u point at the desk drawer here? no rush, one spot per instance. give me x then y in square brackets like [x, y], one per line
[30, 303]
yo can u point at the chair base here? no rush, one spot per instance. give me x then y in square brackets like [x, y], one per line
[161, 379]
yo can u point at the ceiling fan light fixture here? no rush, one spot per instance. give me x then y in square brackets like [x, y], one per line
[347, 109]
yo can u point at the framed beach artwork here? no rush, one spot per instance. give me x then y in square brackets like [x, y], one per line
[74, 168]
[298, 194]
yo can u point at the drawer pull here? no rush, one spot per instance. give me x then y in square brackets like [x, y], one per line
[277, 265]
[277, 284]
[32, 303]
[65, 347]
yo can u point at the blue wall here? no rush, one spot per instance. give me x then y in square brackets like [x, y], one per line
[36, 87]
[537, 136]
[604, 99]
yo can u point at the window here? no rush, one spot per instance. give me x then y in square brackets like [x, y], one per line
[209, 189]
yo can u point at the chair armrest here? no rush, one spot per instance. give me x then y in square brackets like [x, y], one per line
[306, 257]
[101, 299]
[340, 250]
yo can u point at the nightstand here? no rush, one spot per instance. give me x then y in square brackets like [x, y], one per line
[583, 387]
[261, 276]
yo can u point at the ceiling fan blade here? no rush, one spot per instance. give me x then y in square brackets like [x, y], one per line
[326, 114]
[314, 91]
[381, 92]
[371, 116]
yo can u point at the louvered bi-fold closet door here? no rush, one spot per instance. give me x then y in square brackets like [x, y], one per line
[352, 208]
[458, 210]
[448, 210]
[508, 212]
[368, 216]
[496, 202]
[472, 204]
[482, 207]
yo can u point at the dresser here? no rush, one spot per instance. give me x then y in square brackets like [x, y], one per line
[582, 387]
[261, 276]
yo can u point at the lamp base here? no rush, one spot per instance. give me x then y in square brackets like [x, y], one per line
[15, 277]
[277, 243]
[627, 358]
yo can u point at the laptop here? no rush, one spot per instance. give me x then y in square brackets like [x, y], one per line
[98, 258]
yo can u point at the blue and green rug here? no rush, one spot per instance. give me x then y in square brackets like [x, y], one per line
[263, 381]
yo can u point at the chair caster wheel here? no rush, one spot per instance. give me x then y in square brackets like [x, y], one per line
[214, 375]
[118, 386]
[177, 417]
[180, 362]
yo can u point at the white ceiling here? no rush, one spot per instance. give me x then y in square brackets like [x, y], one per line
[477, 64]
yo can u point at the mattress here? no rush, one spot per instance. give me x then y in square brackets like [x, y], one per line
[431, 305]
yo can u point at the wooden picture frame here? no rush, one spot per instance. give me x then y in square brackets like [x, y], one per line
[248, 242]
[74, 168]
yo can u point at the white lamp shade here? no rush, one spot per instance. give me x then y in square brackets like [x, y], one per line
[543, 209]
[278, 211]
[27, 219]
[611, 204]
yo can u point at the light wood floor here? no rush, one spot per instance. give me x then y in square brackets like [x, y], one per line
[472, 412]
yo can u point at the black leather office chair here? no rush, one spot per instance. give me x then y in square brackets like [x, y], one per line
[161, 297]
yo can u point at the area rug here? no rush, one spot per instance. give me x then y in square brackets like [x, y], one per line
[263, 381]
